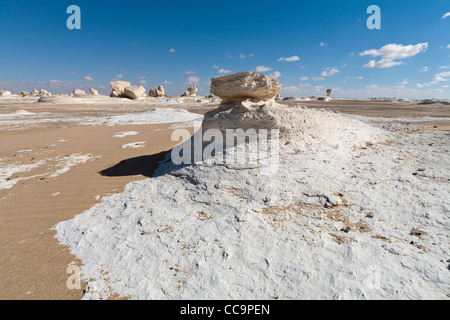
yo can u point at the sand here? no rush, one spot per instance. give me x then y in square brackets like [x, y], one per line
[33, 264]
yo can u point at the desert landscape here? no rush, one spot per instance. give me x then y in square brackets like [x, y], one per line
[358, 208]
[204, 152]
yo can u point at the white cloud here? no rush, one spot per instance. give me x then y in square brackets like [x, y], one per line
[143, 83]
[330, 71]
[118, 76]
[244, 56]
[323, 44]
[263, 69]
[172, 50]
[193, 80]
[317, 78]
[448, 47]
[216, 66]
[275, 75]
[224, 71]
[439, 77]
[424, 69]
[304, 79]
[190, 72]
[290, 59]
[167, 82]
[88, 77]
[391, 52]
[446, 15]
[360, 78]
[383, 63]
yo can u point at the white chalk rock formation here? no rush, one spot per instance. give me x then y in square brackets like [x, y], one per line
[245, 85]
[190, 92]
[24, 94]
[4, 93]
[118, 88]
[329, 92]
[157, 92]
[93, 92]
[134, 92]
[44, 93]
[79, 92]
[34, 93]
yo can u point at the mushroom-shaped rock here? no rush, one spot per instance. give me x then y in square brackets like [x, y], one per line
[78, 92]
[93, 92]
[329, 92]
[119, 87]
[192, 91]
[135, 92]
[245, 85]
[24, 94]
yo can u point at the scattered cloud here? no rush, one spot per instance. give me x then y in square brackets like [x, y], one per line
[143, 83]
[304, 79]
[167, 82]
[351, 55]
[275, 75]
[190, 72]
[359, 77]
[172, 50]
[245, 56]
[391, 52]
[439, 77]
[323, 44]
[141, 78]
[224, 71]
[446, 15]
[290, 59]
[372, 86]
[118, 76]
[424, 69]
[263, 69]
[216, 66]
[88, 77]
[329, 72]
[317, 78]
[193, 80]
[448, 47]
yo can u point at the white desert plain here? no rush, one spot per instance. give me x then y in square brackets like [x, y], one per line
[350, 201]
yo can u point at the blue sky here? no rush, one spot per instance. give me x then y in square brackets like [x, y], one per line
[324, 44]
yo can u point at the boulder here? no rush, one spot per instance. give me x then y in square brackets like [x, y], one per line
[93, 92]
[190, 92]
[245, 85]
[114, 94]
[44, 93]
[119, 87]
[329, 92]
[78, 92]
[24, 94]
[135, 92]
[157, 92]
[34, 93]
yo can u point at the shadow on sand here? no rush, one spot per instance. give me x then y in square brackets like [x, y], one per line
[144, 165]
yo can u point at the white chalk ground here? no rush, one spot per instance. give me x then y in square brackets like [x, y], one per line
[60, 166]
[134, 145]
[125, 134]
[216, 232]
[23, 119]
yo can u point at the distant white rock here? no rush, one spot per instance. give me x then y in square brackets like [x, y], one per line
[44, 93]
[135, 92]
[4, 93]
[34, 93]
[118, 88]
[79, 92]
[93, 92]
[157, 92]
[24, 94]
[190, 92]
